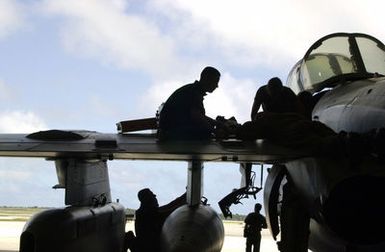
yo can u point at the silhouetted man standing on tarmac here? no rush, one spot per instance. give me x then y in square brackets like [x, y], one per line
[254, 223]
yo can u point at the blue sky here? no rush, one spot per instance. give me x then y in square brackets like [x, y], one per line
[87, 64]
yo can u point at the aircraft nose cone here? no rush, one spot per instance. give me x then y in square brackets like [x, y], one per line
[193, 229]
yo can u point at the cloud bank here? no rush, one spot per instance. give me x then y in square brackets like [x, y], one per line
[20, 122]
[11, 17]
[104, 31]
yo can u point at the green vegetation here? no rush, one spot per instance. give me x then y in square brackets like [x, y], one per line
[236, 217]
[24, 213]
[130, 211]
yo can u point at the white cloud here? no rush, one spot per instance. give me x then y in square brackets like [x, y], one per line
[272, 32]
[103, 30]
[20, 122]
[159, 92]
[11, 17]
[233, 97]
[99, 106]
[6, 93]
[28, 182]
[247, 34]
[125, 183]
[16, 175]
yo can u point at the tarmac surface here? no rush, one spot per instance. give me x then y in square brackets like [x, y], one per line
[234, 242]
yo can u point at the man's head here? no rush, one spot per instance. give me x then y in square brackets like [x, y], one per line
[209, 78]
[274, 86]
[147, 198]
[257, 207]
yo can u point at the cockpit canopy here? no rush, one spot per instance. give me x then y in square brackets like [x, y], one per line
[336, 57]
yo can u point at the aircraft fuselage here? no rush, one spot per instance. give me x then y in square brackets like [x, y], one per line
[355, 106]
[343, 195]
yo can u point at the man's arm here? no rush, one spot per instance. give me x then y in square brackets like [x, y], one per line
[247, 219]
[293, 99]
[203, 120]
[256, 104]
[264, 225]
[170, 207]
[246, 227]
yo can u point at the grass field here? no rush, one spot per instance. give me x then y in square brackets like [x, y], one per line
[18, 213]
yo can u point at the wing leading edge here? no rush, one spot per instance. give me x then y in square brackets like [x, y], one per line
[93, 145]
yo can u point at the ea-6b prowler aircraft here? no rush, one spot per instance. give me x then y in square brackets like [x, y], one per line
[335, 204]
[313, 201]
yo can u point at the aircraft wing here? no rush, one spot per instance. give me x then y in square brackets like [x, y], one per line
[79, 160]
[89, 144]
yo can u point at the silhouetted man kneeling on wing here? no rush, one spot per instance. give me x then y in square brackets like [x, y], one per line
[276, 98]
[183, 115]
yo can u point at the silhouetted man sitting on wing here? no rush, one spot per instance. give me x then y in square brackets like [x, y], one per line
[183, 115]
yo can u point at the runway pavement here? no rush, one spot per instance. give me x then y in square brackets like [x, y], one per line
[234, 242]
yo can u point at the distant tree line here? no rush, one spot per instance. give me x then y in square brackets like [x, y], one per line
[130, 214]
[236, 217]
